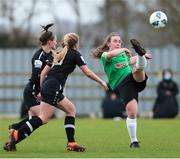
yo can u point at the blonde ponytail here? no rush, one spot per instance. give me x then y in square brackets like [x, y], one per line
[60, 55]
[69, 41]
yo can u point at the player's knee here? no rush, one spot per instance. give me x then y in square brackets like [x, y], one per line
[71, 111]
[132, 115]
[44, 119]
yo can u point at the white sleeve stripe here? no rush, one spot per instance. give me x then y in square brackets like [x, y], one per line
[69, 126]
[83, 59]
[104, 54]
[30, 126]
[40, 55]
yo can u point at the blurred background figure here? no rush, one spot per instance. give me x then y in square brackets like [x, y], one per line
[24, 110]
[112, 106]
[166, 105]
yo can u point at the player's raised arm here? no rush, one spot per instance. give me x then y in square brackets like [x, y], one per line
[93, 76]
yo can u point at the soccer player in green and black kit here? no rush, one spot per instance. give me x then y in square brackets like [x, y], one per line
[122, 79]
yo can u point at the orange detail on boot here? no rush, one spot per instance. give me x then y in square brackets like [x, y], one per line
[72, 143]
[15, 134]
[73, 146]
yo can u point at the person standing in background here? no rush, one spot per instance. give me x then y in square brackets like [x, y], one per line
[166, 104]
[112, 106]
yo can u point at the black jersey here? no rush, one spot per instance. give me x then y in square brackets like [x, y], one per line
[66, 66]
[39, 61]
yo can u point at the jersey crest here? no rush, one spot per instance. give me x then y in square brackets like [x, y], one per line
[38, 64]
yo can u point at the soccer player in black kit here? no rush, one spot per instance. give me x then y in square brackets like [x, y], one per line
[52, 93]
[42, 57]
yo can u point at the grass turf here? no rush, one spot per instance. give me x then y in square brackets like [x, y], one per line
[102, 138]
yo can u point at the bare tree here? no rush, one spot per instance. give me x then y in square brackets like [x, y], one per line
[29, 18]
[7, 13]
[75, 5]
[163, 36]
[172, 10]
[108, 19]
[18, 28]
[116, 17]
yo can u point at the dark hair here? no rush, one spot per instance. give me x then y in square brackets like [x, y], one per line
[103, 47]
[167, 70]
[46, 35]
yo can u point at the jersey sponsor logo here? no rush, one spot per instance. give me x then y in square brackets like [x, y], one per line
[118, 65]
[37, 64]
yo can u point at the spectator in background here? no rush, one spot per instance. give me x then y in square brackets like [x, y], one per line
[166, 105]
[24, 110]
[112, 106]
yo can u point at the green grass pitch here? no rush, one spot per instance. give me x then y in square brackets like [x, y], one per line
[102, 138]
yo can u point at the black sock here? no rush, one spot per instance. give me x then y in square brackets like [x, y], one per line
[16, 126]
[29, 127]
[69, 125]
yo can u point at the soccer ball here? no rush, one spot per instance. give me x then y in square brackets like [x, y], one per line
[158, 19]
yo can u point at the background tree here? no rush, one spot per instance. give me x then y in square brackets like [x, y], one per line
[115, 17]
[173, 12]
[75, 5]
[129, 18]
[18, 32]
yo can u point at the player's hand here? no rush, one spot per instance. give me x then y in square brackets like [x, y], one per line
[128, 52]
[148, 56]
[38, 97]
[104, 85]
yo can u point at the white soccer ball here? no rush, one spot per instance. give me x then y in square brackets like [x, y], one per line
[158, 19]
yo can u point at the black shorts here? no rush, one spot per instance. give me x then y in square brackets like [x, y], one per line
[30, 95]
[52, 91]
[129, 88]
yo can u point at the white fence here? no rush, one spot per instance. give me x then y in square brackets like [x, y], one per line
[15, 69]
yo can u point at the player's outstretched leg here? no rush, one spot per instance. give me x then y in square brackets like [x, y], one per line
[11, 145]
[141, 62]
[137, 47]
[26, 130]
